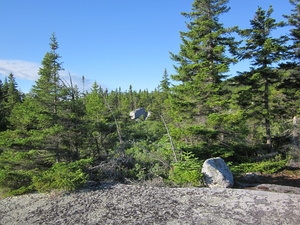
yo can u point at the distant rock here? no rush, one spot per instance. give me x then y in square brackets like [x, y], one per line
[138, 113]
[217, 174]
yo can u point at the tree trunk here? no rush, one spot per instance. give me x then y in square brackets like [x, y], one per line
[170, 137]
[267, 121]
[295, 134]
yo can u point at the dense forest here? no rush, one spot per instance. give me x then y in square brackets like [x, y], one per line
[58, 137]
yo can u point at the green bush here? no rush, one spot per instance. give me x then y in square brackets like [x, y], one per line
[187, 171]
[145, 130]
[151, 160]
[15, 182]
[269, 166]
[63, 176]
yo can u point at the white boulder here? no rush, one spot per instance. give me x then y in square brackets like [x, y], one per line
[217, 174]
[137, 113]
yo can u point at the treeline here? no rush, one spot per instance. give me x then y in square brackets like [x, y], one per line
[57, 136]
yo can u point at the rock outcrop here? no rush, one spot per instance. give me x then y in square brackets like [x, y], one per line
[130, 204]
[217, 174]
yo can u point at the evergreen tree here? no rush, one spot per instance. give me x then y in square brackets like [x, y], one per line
[203, 63]
[264, 51]
[1, 91]
[47, 88]
[10, 96]
[165, 82]
[160, 96]
[13, 95]
[290, 80]
[48, 95]
[294, 20]
[95, 106]
[2, 111]
[52, 112]
[132, 98]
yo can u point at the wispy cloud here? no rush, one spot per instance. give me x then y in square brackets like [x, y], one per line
[21, 69]
[24, 70]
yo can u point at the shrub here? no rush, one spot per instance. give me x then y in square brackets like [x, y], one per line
[151, 160]
[15, 182]
[187, 171]
[268, 166]
[63, 176]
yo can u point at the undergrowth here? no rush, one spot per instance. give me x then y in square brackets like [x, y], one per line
[267, 167]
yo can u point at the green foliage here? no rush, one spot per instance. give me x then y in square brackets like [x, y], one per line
[145, 130]
[268, 166]
[66, 176]
[203, 131]
[15, 182]
[187, 171]
[16, 171]
[202, 63]
[151, 160]
[263, 50]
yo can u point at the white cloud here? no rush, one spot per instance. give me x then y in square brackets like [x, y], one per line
[24, 70]
[21, 69]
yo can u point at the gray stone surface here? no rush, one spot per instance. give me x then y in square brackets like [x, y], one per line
[137, 113]
[129, 204]
[217, 174]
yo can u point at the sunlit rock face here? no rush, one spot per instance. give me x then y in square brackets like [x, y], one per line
[139, 113]
[217, 173]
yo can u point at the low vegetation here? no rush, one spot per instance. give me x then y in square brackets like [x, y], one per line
[58, 137]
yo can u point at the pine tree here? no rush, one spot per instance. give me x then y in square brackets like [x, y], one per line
[47, 88]
[290, 80]
[1, 91]
[52, 112]
[13, 94]
[132, 98]
[263, 50]
[294, 20]
[10, 96]
[48, 95]
[203, 63]
[165, 82]
[2, 111]
[160, 96]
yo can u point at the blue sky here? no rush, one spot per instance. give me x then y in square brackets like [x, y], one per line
[116, 43]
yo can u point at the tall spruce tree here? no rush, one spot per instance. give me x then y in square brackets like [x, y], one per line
[47, 88]
[290, 70]
[13, 95]
[161, 94]
[165, 82]
[48, 99]
[264, 51]
[203, 63]
[290, 81]
[294, 20]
